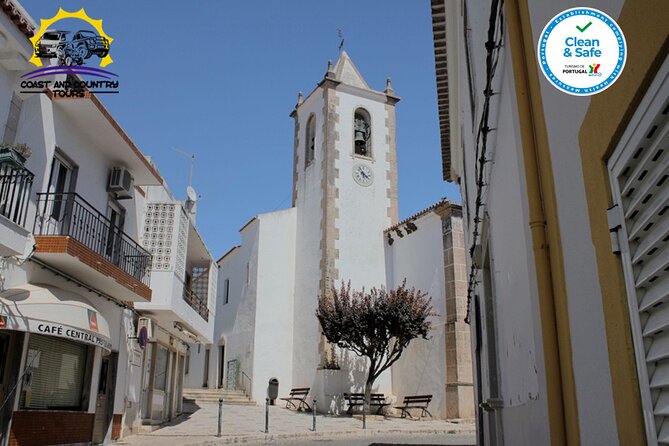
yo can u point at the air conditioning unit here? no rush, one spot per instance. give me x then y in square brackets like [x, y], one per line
[120, 183]
[145, 322]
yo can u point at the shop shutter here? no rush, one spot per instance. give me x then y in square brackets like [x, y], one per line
[58, 374]
[639, 221]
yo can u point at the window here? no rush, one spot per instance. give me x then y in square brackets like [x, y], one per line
[56, 375]
[60, 183]
[311, 140]
[248, 273]
[160, 376]
[362, 131]
[639, 170]
[226, 291]
[114, 241]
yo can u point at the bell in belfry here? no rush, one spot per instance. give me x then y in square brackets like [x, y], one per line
[361, 135]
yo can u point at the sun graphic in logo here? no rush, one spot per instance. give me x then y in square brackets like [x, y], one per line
[74, 48]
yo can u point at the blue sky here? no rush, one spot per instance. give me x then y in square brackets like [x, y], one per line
[219, 78]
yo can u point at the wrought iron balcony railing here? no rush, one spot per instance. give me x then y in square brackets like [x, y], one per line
[15, 184]
[196, 303]
[69, 214]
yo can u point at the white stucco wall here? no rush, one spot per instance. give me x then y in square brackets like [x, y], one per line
[235, 321]
[519, 341]
[273, 350]
[307, 248]
[519, 359]
[419, 258]
[597, 420]
[363, 211]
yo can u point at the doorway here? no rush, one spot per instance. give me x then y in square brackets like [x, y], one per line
[105, 398]
[11, 347]
[221, 367]
[5, 389]
[205, 379]
[116, 216]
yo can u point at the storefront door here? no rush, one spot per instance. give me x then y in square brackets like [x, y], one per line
[169, 388]
[5, 389]
[147, 381]
[104, 399]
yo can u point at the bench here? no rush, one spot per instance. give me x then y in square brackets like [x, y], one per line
[358, 399]
[415, 402]
[298, 395]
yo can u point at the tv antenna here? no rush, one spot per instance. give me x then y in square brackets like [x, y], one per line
[192, 164]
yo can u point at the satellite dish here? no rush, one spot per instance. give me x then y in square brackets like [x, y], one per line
[190, 192]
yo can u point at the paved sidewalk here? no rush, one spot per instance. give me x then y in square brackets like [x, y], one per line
[245, 424]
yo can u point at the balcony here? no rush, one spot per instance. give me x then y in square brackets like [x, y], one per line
[15, 185]
[198, 304]
[79, 240]
[184, 273]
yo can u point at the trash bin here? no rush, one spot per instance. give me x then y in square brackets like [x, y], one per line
[272, 390]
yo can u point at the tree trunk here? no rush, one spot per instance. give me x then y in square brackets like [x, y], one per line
[368, 392]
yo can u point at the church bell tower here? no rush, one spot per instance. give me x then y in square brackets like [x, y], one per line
[344, 192]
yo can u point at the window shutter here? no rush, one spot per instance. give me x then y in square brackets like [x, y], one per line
[58, 374]
[639, 171]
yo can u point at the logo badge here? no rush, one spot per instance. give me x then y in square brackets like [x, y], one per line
[92, 320]
[71, 52]
[582, 51]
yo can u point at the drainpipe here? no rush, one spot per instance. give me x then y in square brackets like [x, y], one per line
[562, 408]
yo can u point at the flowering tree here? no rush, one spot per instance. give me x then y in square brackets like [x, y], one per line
[378, 325]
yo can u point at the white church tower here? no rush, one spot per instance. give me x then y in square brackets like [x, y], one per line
[345, 195]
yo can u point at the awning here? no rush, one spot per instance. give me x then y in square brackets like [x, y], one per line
[55, 312]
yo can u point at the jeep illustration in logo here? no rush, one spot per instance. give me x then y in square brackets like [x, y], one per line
[71, 48]
[69, 74]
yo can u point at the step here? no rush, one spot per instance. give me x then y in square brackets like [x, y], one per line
[216, 391]
[216, 394]
[226, 403]
[216, 397]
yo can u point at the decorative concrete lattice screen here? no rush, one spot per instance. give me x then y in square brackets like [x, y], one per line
[213, 281]
[182, 242]
[158, 235]
[200, 282]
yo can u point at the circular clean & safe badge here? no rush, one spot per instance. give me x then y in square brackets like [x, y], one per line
[582, 51]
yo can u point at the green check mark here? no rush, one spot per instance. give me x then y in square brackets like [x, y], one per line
[584, 28]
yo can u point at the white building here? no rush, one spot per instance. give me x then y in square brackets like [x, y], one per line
[79, 270]
[569, 261]
[344, 197]
[427, 250]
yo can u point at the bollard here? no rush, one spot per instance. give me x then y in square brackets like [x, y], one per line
[314, 417]
[364, 417]
[266, 415]
[220, 416]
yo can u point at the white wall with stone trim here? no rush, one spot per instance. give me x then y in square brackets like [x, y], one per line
[308, 233]
[418, 258]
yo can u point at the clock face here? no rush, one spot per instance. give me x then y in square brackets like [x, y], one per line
[363, 175]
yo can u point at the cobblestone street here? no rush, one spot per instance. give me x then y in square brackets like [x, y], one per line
[245, 424]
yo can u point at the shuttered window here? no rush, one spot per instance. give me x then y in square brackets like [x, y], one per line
[55, 374]
[639, 172]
